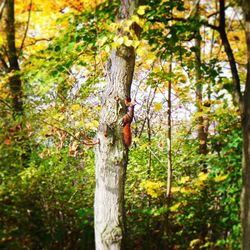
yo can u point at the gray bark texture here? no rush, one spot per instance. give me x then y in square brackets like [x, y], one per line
[245, 196]
[111, 155]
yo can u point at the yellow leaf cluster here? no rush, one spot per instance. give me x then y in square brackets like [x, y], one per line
[153, 188]
[203, 176]
[194, 243]
[141, 9]
[118, 41]
[76, 107]
[175, 207]
[185, 179]
[200, 181]
[93, 125]
[158, 106]
[220, 178]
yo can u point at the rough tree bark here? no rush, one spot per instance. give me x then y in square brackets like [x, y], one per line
[111, 154]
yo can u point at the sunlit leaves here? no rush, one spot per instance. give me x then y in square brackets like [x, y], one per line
[154, 189]
[141, 9]
[158, 107]
[63, 65]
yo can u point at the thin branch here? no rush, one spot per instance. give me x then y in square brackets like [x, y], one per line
[237, 95]
[5, 103]
[35, 41]
[148, 105]
[194, 9]
[26, 29]
[213, 34]
[2, 8]
[178, 149]
[156, 157]
[4, 64]
[217, 12]
[212, 26]
[70, 134]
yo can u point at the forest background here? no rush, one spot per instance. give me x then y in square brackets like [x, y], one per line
[184, 173]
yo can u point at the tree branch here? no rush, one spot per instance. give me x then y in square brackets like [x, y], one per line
[2, 8]
[5, 103]
[73, 136]
[3, 63]
[237, 95]
[217, 12]
[212, 26]
[26, 29]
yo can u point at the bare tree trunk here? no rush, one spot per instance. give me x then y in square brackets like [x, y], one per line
[245, 196]
[169, 136]
[111, 154]
[149, 146]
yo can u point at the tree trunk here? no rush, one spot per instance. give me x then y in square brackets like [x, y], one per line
[169, 136]
[245, 196]
[244, 106]
[14, 79]
[111, 154]
[9, 65]
[201, 128]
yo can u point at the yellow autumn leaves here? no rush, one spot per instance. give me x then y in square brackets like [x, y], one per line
[153, 188]
[185, 185]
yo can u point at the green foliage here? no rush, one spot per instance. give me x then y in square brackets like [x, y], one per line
[49, 204]
[47, 170]
[204, 209]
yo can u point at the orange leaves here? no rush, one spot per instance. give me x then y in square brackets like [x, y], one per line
[16, 132]
[8, 140]
[81, 5]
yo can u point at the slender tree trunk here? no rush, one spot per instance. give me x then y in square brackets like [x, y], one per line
[149, 146]
[169, 136]
[201, 128]
[111, 154]
[149, 131]
[168, 200]
[245, 196]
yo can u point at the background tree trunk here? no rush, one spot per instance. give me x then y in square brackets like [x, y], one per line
[245, 198]
[111, 154]
[10, 65]
[169, 137]
[14, 79]
[201, 128]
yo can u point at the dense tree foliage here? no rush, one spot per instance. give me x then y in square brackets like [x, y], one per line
[54, 67]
